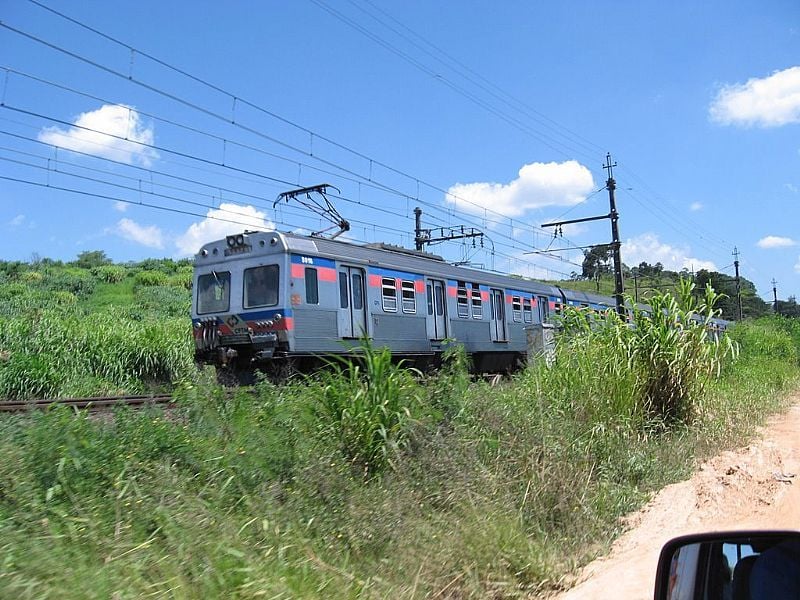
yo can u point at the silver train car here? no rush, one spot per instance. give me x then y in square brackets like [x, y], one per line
[271, 301]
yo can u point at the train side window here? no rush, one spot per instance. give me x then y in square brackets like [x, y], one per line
[462, 299]
[389, 292]
[261, 286]
[527, 310]
[343, 301]
[213, 292]
[312, 286]
[477, 302]
[358, 291]
[516, 308]
[409, 297]
[429, 294]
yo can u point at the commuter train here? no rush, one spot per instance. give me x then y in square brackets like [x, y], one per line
[269, 300]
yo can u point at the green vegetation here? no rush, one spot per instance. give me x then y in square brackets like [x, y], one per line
[646, 280]
[90, 327]
[366, 481]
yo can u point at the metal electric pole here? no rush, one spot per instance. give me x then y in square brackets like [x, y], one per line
[611, 185]
[775, 295]
[738, 283]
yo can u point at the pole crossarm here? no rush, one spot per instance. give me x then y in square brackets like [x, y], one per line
[584, 220]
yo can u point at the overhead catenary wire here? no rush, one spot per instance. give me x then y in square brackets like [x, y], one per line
[229, 142]
[233, 122]
[135, 51]
[139, 190]
[234, 97]
[182, 154]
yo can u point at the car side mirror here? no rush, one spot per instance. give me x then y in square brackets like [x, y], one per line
[739, 565]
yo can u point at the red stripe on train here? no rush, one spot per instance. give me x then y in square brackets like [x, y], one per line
[326, 274]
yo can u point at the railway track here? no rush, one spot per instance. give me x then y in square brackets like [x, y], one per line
[92, 404]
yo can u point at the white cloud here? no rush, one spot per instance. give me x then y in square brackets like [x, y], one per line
[150, 236]
[227, 219]
[791, 187]
[121, 206]
[797, 265]
[17, 221]
[769, 102]
[696, 206]
[109, 132]
[648, 248]
[774, 241]
[538, 185]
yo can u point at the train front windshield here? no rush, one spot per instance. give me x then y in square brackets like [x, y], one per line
[261, 286]
[213, 292]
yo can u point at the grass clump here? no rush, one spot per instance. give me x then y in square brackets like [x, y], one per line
[367, 405]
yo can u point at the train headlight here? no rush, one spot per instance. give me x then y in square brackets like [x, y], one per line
[277, 317]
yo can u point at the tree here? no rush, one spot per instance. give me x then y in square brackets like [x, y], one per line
[596, 261]
[92, 258]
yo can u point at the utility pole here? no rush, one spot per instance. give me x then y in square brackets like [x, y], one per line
[775, 295]
[611, 185]
[738, 283]
[419, 241]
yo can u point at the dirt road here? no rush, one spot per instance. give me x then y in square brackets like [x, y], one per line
[754, 487]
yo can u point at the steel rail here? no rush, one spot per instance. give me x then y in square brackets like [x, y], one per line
[90, 403]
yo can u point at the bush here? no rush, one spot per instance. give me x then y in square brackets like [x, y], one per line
[150, 278]
[110, 273]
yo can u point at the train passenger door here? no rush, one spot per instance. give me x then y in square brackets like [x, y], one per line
[352, 316]
[498, 308]
[436, 322]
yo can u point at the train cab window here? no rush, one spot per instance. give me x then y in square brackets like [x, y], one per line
[527, 310]
[357, 281]
[477, 302]
[312, 286]
[389, 293]
[343, 302]
[462, 299]
[409, 297]
[213, 292]
[516, 308]
[261, 286]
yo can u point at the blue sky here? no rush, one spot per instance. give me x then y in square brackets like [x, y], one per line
[171, 123]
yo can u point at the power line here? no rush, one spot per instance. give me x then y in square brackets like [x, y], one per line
[191, 157]
[232, 121]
